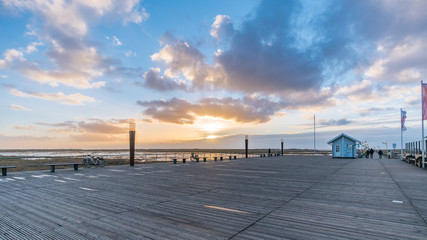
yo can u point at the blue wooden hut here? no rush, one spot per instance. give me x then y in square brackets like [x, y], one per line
[343, 146]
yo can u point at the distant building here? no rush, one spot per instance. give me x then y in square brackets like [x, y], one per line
[343, 146]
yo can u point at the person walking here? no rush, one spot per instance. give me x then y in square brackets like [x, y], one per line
[380, 153]
[371, 153]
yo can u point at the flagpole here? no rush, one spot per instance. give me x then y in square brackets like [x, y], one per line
[314, 120]
[422, 118]
[401, 135]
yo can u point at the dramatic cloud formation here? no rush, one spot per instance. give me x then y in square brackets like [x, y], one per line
[289, 46]
[18, 107]
[64, 27]
[72, 99]
[180, 111]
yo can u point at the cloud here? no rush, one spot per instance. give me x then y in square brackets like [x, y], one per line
[222, 27]
[117, 41]
[18, 107]
[95, 137]
[129, 53]
[161, 83]
[180, 111]
[30, 127]
[24, 138]
[333, 122]
[9, 58]
[184, 60]
[32, 47]
[74, 60]
[90, 126]
[374, 110]
[292, 49]
[402, 63]
[72, 99]
[61, 127]
[101, 126]
[359, 91]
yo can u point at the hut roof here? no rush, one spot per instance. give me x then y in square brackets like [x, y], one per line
[342, 135]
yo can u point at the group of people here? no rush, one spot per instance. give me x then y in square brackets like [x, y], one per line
[371, 152]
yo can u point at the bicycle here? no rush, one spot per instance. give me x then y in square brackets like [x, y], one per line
[89, 160]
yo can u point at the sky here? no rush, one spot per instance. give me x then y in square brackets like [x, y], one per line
[203, 74]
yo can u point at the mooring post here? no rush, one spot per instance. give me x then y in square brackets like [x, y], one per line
[282, 146]
[132, 144]
[246, 146]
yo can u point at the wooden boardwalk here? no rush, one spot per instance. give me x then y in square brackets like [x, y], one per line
[292, 197]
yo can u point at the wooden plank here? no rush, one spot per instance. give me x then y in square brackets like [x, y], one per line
[291, 197]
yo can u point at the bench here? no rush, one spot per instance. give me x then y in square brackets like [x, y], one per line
[419, 162]
[4, 169]
[52, 165]
[410, 159]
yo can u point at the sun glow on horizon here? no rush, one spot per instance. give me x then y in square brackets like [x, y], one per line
[211, 124]
[212, 137]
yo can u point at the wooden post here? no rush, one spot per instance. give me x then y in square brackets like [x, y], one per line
[246, 146]
[132, 144]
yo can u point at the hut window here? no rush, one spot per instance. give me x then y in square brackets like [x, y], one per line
[337, 148]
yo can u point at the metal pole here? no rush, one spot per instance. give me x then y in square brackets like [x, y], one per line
[131, 144]
[422, 118]
[401, 135]
[246, 146]
[314, 120]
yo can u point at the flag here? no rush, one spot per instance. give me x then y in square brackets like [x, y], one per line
[424, 94]
[402, 119]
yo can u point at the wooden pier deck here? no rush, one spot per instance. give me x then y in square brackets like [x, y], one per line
[291, 197]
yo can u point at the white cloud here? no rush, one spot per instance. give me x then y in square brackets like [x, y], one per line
[117, 41]
[130, 53]
[222, 27]
[10, 56]
[32, 47]
[402, 63]
[18, 107]
[134, 14]
[72, 99]
[64, 26]
[30, 127]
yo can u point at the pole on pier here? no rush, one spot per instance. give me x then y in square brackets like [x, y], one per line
[314, 123]
[282, 146]
[246, 146]
[131, 144]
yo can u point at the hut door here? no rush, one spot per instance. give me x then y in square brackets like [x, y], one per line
[349, 151]
[337, 150]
